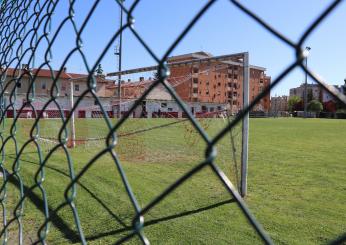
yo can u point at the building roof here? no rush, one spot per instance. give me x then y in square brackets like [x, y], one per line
[64, 75]
[143, 83]
[195, 55]
[99, 79]
[45, 73]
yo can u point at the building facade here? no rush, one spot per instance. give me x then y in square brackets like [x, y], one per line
[279, 104]
[314, 92]
[45, 85]
[217, 82]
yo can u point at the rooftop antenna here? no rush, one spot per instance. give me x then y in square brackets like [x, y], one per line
[118, 53]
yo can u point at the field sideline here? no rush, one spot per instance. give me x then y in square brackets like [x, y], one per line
[297, 186]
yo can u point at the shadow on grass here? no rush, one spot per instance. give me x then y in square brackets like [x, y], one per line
[73, 235]
[339, 240]
[55, 218]
[162, 219]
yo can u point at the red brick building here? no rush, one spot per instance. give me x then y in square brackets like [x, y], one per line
[217, 81]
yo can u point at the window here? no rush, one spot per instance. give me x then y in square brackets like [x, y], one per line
[234, 102]
[261, 81]
[219, 75]
[235, 94]
[195, 90]
[207, 82]
[204, 108]
[207, 92]
[163, 105]
[195, 80]
[43, 85]
[95, 102]
[229, 75]
[170, 109]
[211, 109]
[235, 76]
[219, 84]
[76, 87]
[19, 85]
[195, 70]
[219, 108]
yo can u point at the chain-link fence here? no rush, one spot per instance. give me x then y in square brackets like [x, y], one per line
[26, 30]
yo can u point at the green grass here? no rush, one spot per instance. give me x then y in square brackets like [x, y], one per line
[296, 184]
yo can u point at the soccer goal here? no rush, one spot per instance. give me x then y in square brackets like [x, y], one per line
[214, 91]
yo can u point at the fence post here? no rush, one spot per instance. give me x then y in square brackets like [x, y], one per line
[245, 127]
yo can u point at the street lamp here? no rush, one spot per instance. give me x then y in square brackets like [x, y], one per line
[306, 54]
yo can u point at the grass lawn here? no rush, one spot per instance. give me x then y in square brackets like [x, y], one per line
[296, 184]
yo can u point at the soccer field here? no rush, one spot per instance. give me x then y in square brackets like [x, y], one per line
[296, 184]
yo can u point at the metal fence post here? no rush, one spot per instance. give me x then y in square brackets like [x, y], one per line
[245, 127]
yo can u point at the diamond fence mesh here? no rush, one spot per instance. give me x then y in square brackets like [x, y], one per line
[26, 31]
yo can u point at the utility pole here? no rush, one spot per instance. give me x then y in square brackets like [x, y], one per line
[118, 52]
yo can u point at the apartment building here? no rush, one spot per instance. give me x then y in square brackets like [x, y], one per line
[314, 92]
[279, 103]
[217, 81]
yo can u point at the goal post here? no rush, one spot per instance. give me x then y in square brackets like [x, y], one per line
[245, 126]
[72, 134]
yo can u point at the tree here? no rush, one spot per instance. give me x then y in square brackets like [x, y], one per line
[309, 95]
[293, 101]
[156, 75]
[315, 106]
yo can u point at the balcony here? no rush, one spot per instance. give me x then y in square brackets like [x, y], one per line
[194, 95]
[195, 85]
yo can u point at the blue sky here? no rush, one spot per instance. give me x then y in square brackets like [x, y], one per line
[223, 30]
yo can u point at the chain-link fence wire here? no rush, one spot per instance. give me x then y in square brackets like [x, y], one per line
[25, 27]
